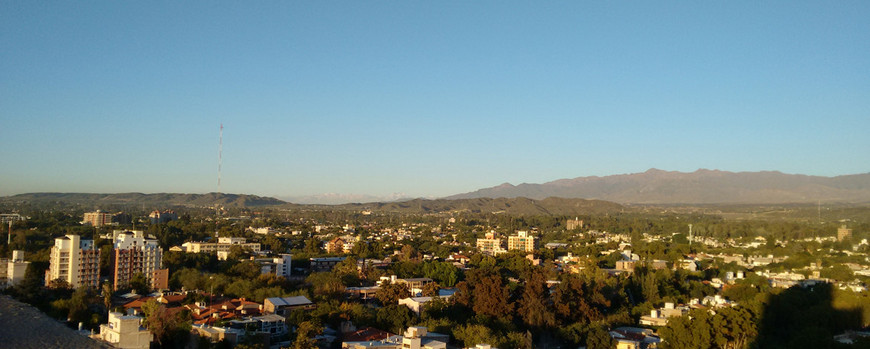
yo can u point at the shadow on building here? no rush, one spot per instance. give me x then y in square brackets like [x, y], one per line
[805, 317]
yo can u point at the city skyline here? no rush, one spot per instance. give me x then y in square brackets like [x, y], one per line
[427, 100]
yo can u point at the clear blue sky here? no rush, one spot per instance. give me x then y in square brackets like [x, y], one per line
[424, 98]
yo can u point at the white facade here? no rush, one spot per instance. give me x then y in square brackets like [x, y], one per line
[75, 261]
[125, 332]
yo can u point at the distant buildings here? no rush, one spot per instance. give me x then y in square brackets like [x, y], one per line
[522, 241]
[75, 261]
[12, 270]
[335, 246]
[490, 245]
[135, 254]
[844, 233]
[223, 245]
[573, 224]
[11, 217]
[98, 218]
[158, 217]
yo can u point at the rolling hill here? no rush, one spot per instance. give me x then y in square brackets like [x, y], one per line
[699, 187]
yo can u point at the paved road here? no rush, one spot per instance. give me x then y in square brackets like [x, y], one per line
[23, 326]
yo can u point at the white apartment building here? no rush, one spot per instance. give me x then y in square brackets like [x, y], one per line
[522, 241]
[135, 254]
[75, 261]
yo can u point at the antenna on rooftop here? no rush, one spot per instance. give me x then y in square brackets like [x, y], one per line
[690, 234]
[220, 156]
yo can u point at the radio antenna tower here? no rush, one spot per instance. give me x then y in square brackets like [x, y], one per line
[220, 156]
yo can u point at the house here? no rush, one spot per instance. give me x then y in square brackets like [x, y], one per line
[125, 331]
[283, 305]
[335, 246]
[634, 338]
[217, 334]
[416, 303]
[324, 263]
[273, 325]
[413, 338]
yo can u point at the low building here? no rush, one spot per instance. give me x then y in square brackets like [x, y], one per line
[272, 325]
[324, 263]
[224, 244]
[280, 266]
[413, 338]
[335, 246]
[283, 305]
[12, 270]
[125, 331]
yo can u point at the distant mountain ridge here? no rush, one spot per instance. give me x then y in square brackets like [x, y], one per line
[159, 199]
[339, 199]
[700, 187]
[512, 206]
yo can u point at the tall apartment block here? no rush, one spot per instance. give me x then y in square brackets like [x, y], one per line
[135, 254]
[522, 241]
[98, 218]
[75, 261]
[844, 233]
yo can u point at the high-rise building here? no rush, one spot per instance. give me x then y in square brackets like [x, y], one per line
[490, 245]
[522, 241]
[98, 218]
[135, 254]
[844, 233]
[75, 261]
[575, 223]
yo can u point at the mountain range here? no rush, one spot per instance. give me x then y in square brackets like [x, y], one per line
[700, 187]
[150, 200]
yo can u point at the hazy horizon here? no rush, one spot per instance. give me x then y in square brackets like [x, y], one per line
[424, 99]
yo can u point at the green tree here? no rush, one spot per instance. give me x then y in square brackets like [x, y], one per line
[534, 306]
[598, 338]
[139, 284]
[391, 293]
[305, 334]
[168, 328]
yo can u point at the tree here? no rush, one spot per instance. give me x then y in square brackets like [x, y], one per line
[491, 297]
[431, 289]
[305, 335]
[107, 296]
[391, 293]
[598, 338]
[139, 284]
[534, 306]
[164, 325]
[395, 318]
